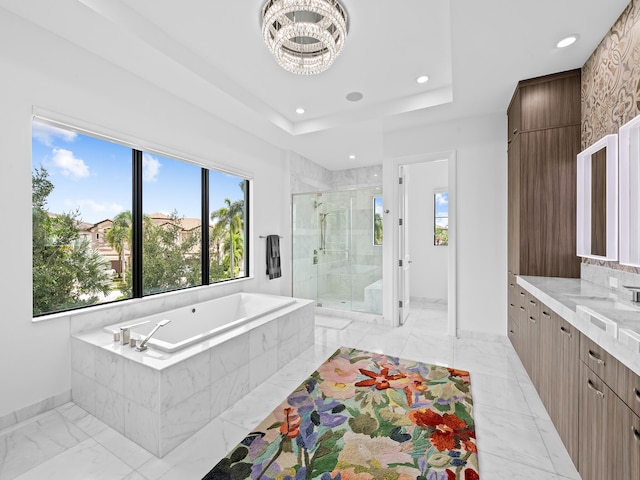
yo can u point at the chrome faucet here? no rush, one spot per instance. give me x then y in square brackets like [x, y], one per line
[125, 334]
[143, 345]
[635, 293]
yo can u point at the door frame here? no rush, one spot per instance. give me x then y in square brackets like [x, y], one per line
[450, 156]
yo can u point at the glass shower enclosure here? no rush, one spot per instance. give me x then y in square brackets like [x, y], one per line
[337, 249]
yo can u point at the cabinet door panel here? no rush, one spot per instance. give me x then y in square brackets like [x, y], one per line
[548, 202]
[594, 426]
[624, 442]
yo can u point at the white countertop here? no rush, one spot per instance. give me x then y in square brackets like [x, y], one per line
[608, 318]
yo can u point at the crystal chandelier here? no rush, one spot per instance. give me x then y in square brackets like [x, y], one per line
[305, 36]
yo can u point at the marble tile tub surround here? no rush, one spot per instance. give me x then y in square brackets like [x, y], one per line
[158, 399]
[564, 295]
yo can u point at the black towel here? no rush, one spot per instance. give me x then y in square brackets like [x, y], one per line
[273, 257]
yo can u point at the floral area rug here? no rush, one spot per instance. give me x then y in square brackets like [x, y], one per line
[364, 416]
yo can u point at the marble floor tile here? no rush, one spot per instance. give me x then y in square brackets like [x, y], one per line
[516, 439]
[435, 350]
[497, 431]
[499, 393]
[129, 452]
[494, 467]
[85, 460]
[29, 444]
[536, 406]
[559, 456]
[251, 409]
[197, 455]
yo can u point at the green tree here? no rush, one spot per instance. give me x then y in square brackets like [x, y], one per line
[119, 236]
[377, 229]
[67, 272]
[170, 260]
[231, 218]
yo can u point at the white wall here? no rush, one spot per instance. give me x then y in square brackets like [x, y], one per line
[43, 71]
[429, 262]
[481, 187]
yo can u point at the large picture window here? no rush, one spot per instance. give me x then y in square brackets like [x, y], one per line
[112, 223]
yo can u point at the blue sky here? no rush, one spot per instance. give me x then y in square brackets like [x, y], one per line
[442, 209]
[95, 176]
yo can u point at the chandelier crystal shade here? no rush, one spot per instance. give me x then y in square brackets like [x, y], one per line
[305, 36]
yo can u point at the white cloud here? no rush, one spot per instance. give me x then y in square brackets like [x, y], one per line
[69, 164]
[46, 134]
[150, 168]
[109, 209]
[442, 199]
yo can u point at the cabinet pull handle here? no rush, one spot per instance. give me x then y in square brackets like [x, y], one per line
[592, 387]
[532, 319]
[637, 392]
[515, 130]
[511, 305]
[636, 434]
[546, 314]
[512, 285]
[511, 332]
[565, 331]
[593, 356]
[522, 294]
[522, 308]
[532, 302]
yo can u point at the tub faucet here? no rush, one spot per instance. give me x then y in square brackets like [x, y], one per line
[635, 293]
[125, 334]
[143, 345]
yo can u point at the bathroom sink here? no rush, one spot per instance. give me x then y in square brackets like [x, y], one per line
[603, 303]
[607, 325]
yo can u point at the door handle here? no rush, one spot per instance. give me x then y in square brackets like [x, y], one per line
[593, 356]
[565, 331]
[592, 387]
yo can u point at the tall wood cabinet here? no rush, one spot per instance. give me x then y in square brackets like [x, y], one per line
[543, 141]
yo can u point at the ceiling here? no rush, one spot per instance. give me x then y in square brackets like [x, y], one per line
[210, 53]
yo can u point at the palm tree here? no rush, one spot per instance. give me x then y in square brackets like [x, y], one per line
[230, 217]
[119, 235]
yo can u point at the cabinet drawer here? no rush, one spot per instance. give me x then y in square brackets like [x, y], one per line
[597, 359]
[628, 388]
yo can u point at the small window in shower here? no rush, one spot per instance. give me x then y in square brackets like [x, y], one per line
[377, 220]
[441, 218]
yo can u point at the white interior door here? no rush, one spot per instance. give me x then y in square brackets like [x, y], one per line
[404, 262]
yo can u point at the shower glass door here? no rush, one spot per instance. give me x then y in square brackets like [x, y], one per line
[336, 261]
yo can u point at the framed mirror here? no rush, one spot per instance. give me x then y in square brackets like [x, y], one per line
[629, 145]
[597, 208]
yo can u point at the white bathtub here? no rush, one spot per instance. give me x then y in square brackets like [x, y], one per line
[195, 323]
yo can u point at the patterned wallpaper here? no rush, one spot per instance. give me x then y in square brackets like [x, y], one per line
[611, 79]
[611, 88]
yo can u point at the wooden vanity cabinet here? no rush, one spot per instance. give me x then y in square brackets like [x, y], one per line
[596, 432]
[560, 376]
[609, 428]
[625, 441]
[543, 140]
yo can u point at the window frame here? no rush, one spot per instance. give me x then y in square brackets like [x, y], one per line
[436, 192]
[138, 215]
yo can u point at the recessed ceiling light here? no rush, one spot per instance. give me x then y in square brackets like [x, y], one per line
[354, 96]
[352, 157]
[299, 110]
[566, 41]
[422, 79]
